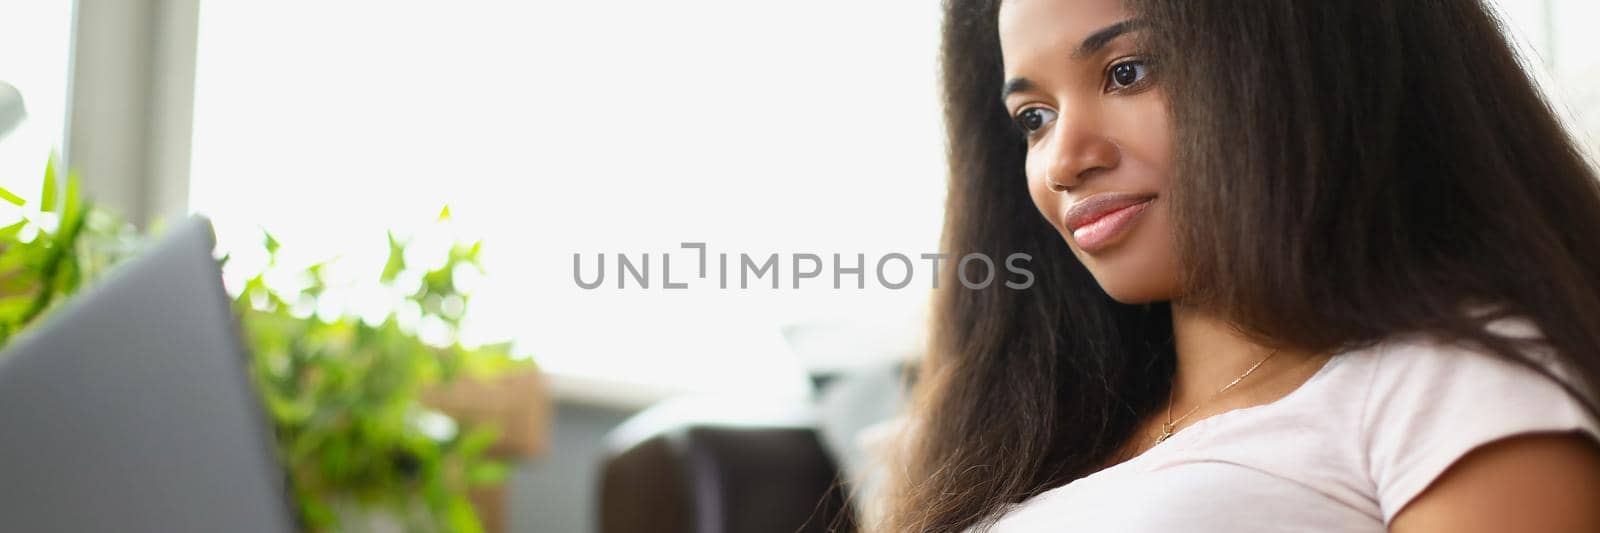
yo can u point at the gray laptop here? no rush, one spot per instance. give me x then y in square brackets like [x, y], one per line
[130, 409]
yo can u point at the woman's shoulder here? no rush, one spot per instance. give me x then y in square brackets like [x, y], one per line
[1429, 401]
[1427, 372]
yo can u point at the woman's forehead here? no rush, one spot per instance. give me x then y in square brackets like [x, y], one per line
[1047, 29]
[1043, 35]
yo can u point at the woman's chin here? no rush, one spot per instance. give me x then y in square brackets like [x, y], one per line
[1131, 285]
[1131, 295]
[1137, 270]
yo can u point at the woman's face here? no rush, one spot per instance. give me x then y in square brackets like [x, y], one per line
[1099, 147]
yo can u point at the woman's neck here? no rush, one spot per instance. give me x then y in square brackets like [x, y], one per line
[1211, 353]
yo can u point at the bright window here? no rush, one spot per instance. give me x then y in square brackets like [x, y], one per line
[1559, 36]
[554, 128]
[35, 37]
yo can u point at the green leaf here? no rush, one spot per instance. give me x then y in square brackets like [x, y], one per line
[47, 197]
[462, 518]
[13, 308]
[444, 214]
[72, 205]
[478, 440]
[488, 473]
[9, 233]
[11, 198]
[270, 242]
[397, 260]
[28, 256]
[318, 515]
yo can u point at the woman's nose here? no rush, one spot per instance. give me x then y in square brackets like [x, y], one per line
[1079, 149]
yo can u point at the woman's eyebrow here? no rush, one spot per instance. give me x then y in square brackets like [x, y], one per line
[1100, 38]
[1091, 44]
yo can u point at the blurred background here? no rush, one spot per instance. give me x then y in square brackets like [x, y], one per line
[553, 130]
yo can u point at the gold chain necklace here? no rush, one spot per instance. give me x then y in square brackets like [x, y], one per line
[1166, 429]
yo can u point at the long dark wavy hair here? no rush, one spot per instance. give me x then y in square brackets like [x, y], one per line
[1346, 171]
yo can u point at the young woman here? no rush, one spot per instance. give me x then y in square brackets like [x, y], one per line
[1301, 265]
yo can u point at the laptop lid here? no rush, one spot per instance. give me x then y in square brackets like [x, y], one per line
[130, 408]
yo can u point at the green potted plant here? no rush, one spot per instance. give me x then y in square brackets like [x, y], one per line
[376, 428]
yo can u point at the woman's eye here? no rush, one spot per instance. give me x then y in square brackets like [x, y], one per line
[1126, 74]
[1033, 119]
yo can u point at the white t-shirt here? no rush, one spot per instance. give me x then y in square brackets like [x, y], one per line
[1343, 452]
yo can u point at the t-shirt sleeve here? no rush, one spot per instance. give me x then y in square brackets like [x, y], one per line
[1429, 404]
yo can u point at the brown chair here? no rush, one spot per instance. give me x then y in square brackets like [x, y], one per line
[707, 478]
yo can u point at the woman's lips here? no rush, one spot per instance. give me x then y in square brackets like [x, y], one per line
[1096, 221]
